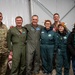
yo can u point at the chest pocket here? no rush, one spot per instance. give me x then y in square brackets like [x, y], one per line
[2, 34]
[65, 39]
[51, 37]
[62, 40]
[32, 29]
[35, 31]
[24, 35]
[16, 34]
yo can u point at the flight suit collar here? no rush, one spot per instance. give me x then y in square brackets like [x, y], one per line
[33, 26]
[19, 29]
[47, 30]
[54, 24]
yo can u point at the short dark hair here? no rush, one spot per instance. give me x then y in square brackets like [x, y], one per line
[35, 15]
[56, 14]
[47, 21]
[18, 17]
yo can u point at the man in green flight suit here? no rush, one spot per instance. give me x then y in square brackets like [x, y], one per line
[3, 47]
[16, 39]
[33, 46]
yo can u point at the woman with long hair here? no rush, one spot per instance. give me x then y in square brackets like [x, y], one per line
[62, 55]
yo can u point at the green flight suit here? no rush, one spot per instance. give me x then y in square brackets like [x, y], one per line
[33, 48]
[16, 42]
[3, 49]
[62, 55]
[48, 45]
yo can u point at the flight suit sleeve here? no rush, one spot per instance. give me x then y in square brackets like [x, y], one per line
[26, 27]
[56, 42]
[5, 34]
[9, 39]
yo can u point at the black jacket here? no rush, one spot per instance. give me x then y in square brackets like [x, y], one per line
[70, 43]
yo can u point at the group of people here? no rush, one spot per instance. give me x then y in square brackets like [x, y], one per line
[32, 44]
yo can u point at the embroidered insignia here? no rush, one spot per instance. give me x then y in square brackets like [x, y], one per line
[49, 35]
[32, 29]
[65, 37]
[37, 28]
[42, 32]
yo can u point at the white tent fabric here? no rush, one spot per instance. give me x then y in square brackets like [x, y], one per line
[13, 8]
[43, 8]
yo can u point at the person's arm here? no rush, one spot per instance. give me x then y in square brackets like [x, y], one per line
[9, 44]
[56, 42]
[9, 38]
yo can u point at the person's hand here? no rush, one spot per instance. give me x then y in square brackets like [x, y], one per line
[11, 26]
[54, 29]
[11, 53]
[10, 56]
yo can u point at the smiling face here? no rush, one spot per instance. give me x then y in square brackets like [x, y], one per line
[61, 29]
[34, 20]
[19, 21]
[47, 24]
[56, 17]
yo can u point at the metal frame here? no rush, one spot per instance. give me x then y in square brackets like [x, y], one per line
[67, 13]
[48, 12]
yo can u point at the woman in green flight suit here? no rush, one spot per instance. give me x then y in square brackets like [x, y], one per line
[48, 41]
[62, 55]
